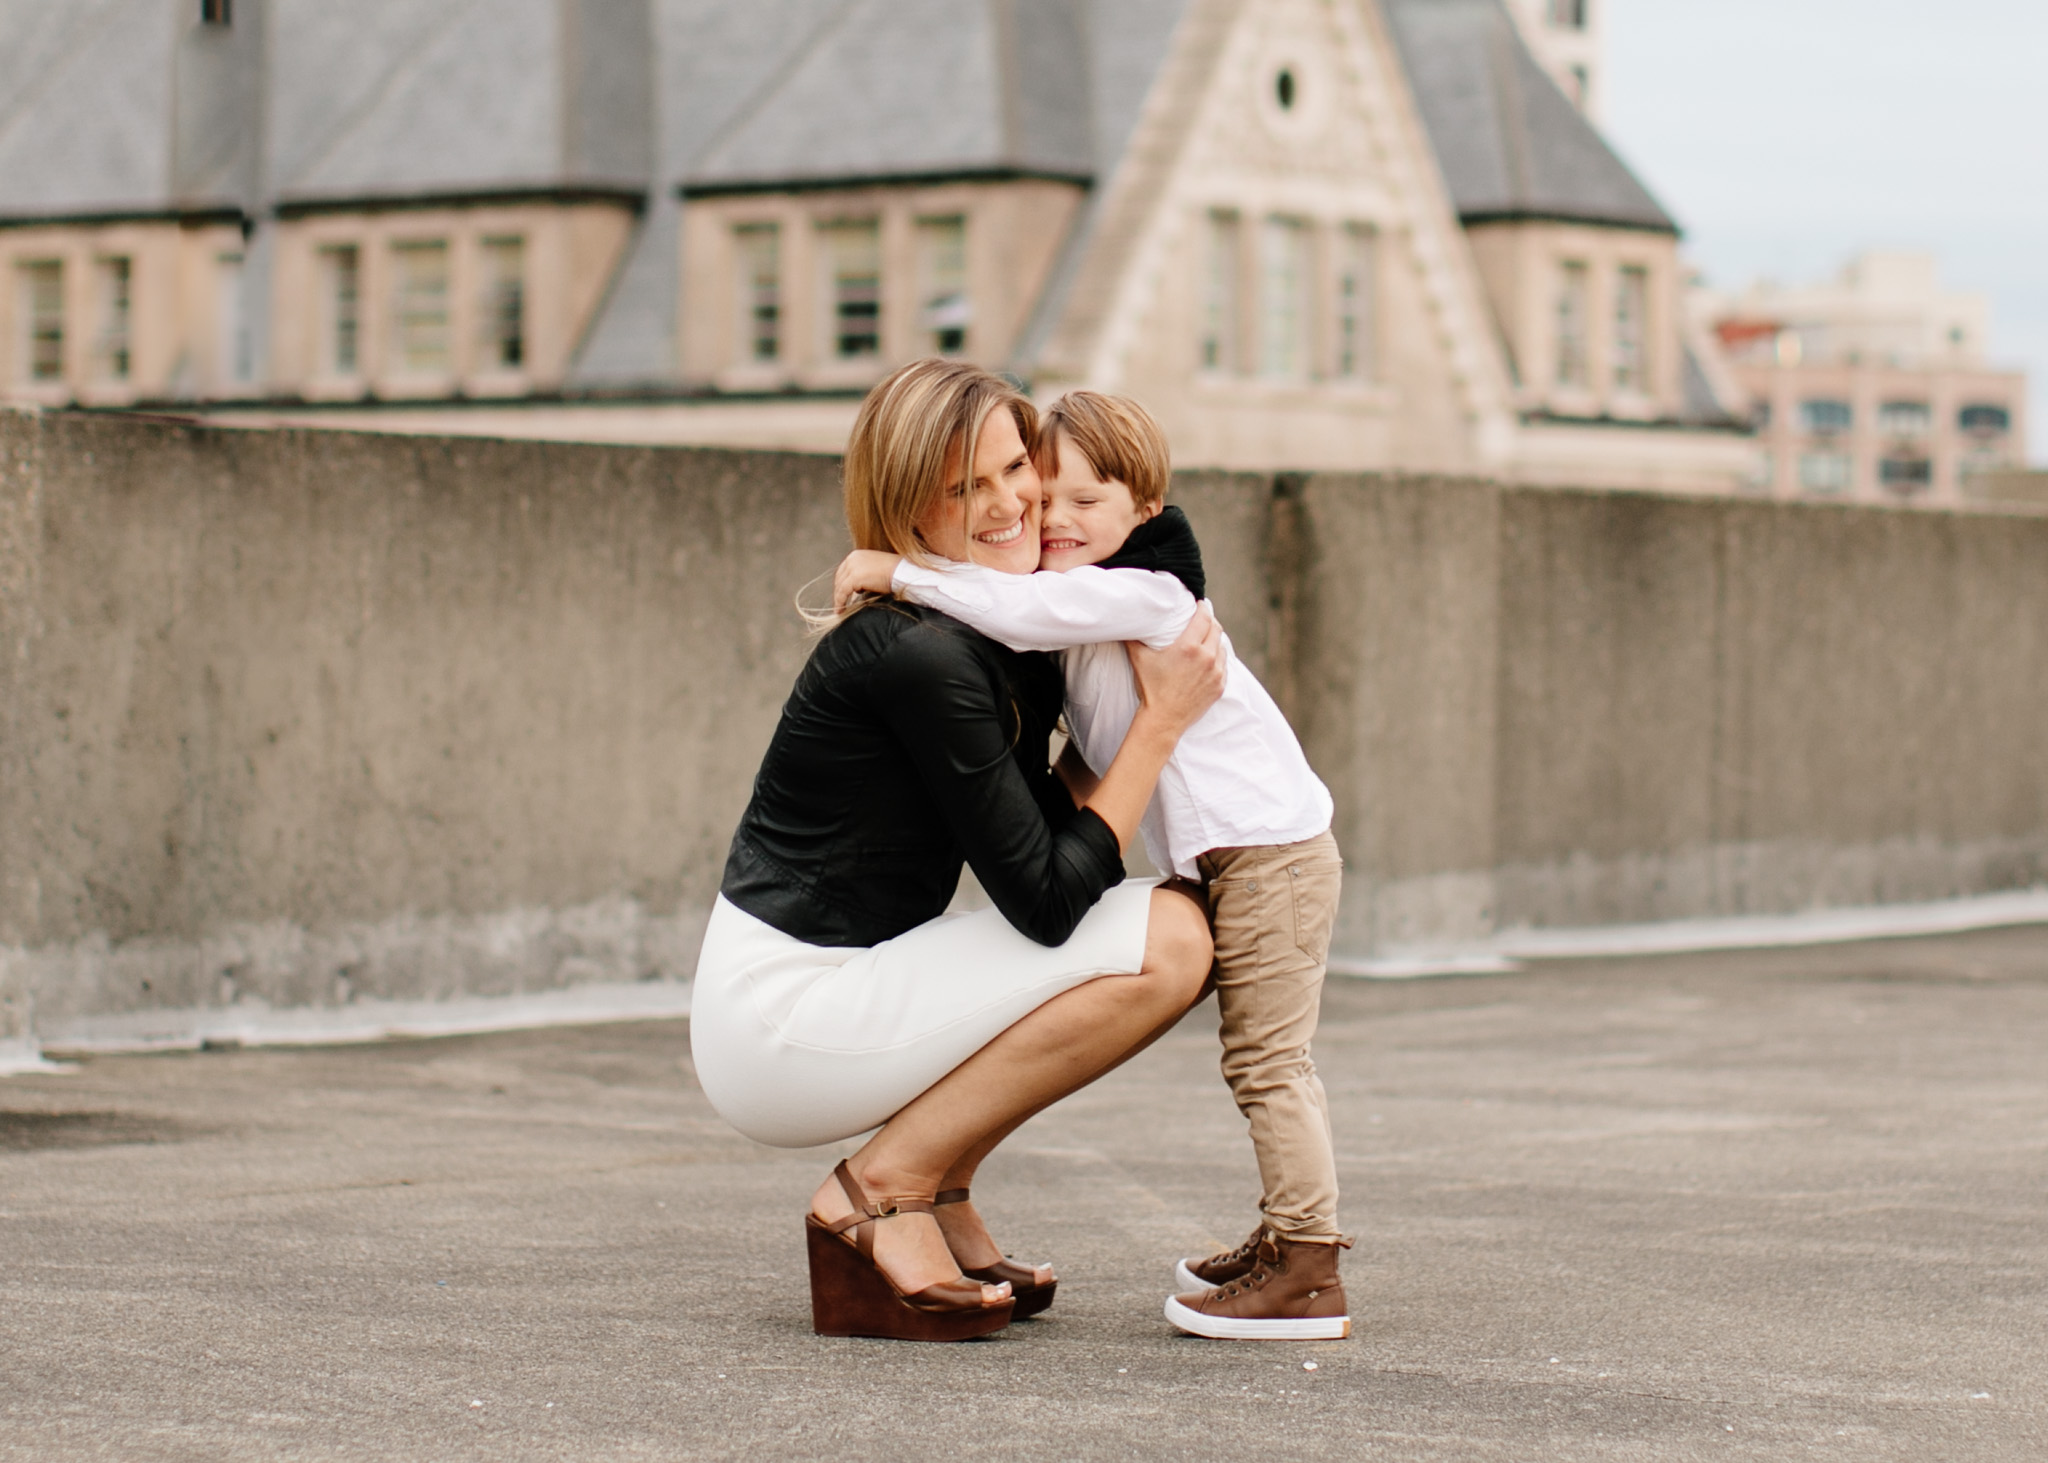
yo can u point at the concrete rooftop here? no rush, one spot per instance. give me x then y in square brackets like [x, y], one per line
[1775, 1205]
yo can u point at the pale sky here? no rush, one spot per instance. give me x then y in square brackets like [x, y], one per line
[1788, 134]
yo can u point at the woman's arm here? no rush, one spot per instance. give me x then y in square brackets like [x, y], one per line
[1075, 774]
[951, 715]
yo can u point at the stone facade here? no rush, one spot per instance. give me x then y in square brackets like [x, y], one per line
[1282, 223]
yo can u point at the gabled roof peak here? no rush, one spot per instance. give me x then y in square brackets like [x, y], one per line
[1510, 143]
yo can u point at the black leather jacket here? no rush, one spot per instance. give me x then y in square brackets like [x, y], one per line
[910, 744]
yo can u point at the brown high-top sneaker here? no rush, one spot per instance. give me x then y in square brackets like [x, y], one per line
[1220, 1269]
[1291, 1293]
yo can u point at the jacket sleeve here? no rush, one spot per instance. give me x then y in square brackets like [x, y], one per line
[1053, 611]
[947, 708]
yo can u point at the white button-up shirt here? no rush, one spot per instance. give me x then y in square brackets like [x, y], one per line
[1238, 779]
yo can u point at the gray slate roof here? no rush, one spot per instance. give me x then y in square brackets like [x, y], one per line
[392, 96]
[1511, 145]
[903, 88]
[85, 106]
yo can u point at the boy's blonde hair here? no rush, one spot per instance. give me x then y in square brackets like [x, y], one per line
[912, 423]
[1117, 436]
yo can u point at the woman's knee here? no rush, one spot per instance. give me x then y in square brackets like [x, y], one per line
[1178, 948]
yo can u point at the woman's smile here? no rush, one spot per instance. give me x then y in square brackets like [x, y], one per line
[1000, 536]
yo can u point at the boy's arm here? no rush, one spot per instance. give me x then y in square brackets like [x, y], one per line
[1047, 611]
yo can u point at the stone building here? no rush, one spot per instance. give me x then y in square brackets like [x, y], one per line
[1364, 234]
[1874, 386]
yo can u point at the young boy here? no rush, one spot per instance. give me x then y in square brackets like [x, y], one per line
[1237, 812]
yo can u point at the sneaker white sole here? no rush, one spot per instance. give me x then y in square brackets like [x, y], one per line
[1185, 1280]
[1233, 1328]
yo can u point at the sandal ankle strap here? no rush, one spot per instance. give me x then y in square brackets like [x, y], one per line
[866, 1210]
[950, 1196]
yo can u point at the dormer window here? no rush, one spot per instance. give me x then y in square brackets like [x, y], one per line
[42, 316]
[503, 308]
[1573, 301]
[942, 284]
[760, 289]
[1631, 329]
[853, 272]
[217, 12]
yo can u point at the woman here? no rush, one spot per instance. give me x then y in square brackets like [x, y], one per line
[833, 995]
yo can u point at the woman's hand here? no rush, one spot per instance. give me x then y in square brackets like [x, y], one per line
[864, 571]
[1176, 685]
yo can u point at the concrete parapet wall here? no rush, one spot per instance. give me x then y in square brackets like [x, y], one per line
[295, 719]
[302, 717]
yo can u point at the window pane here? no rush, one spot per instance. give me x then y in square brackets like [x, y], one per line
[1219, 305]
[760, 265]
[1357, 303]
[1825, 472]
[1905, 475]
[111, 350]
[1572, 306]
[853, 257]
[1906, 419]
[1283, 302]
[421, 307]
[503, 313]
[1824, 416]
[235, 356]
[340, 309]
[41, 291]
[1984, 418]
[942, 284]
[1631, 329]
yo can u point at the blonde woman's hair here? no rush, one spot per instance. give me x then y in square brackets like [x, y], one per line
[916, 421]
[912, 423]
[1118, 437]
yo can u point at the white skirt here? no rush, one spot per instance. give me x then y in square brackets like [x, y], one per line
[800, 1044]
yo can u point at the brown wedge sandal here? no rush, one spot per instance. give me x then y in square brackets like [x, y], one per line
[852, 1296]
[1031, 1297]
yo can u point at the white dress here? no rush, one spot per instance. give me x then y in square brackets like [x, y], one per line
[800, 1044]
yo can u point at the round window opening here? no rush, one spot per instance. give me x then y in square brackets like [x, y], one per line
[1283, 90]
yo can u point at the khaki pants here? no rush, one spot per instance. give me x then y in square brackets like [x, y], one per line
[1272, 910]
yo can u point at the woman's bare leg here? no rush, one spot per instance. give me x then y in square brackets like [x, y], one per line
[1057, 1049]
[966, 1235]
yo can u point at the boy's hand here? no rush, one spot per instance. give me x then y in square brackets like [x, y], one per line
[864, 571]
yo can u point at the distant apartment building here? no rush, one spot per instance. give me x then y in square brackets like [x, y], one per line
[1346, 234]
[1568, 37]
[1874, 386]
